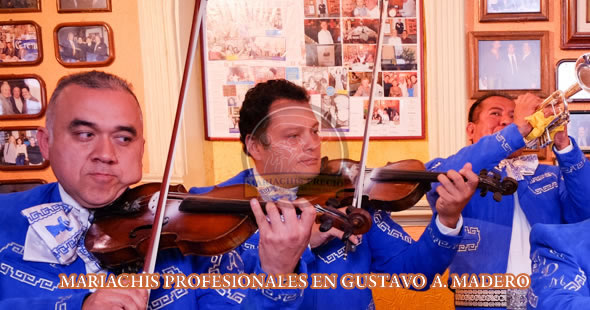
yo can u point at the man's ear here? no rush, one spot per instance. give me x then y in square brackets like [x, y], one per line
[43, 141]
[470, 131]
[254, 147]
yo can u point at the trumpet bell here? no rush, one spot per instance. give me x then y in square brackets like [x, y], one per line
[583, 72]
[556, 103]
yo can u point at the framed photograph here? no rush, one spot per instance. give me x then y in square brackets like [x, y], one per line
[514, 61]
[20, 6]
[575, 24]
[72, 6]
[84, 44]
[565, 76]
[510, 10]
[13, 186]
[579, 129]
[20, 150]
[20, 43]
[22, 96]
[326, 46]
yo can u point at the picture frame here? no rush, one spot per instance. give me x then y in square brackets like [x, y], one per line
[31, 91]
[565, 76]
[13, 186]
[70, 6]
[84, 44]
[21, 43]
[575, 27]
[22, 6]
[328, 59]
[499, 11]
[16, 157]
[497, 62]
[579, 128]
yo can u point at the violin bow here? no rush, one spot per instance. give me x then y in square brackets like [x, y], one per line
[359, 188]
[151, 255]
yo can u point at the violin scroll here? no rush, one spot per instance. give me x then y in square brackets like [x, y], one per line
[494, 183]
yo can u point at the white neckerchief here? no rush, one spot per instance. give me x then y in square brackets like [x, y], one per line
[270, 192]
[56, 233]
[520, 166]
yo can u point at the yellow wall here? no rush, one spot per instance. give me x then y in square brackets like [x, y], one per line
[124, 22]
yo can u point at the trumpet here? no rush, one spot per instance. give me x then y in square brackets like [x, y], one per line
[557, 104]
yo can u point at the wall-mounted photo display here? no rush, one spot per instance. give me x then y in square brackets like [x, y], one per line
[579, 129]
[20, 150]
[513, 11]
[20, 6]
[73, 6]
[327, 46]
[84, 44]
[514, 61]
[22, 96]
[13, 186]
[20, 43]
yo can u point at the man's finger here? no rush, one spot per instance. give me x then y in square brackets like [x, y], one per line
[259, 215]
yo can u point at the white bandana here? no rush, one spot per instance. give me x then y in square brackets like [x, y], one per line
[520, 166]
[56, 233]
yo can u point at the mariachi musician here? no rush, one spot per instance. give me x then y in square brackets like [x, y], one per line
[94, 140]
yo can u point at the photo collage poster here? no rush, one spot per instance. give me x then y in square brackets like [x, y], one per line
[326, 46]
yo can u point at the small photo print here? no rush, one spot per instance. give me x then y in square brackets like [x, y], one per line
[323, 55]
[400, 84]
[360, 57]
[360, 31]
[322, 31]
[335, 113]
[360, 84]
[20, 149]
[385, 112]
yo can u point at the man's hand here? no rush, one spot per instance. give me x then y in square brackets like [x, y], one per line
[561, 139]
[454, 193]
[282, 241]
[127, 299]
[526, 105]
[319, 238]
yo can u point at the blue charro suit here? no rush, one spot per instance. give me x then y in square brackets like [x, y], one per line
[33, 285]
[560, 256]
[552, 195]
[386, 248]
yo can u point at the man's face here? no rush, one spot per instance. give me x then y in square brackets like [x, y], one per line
[97, 144]
[5, 90]
[293, 141]
[324, 25]
[16, 92]
[25, 93]
[495, 113]
[365, 83]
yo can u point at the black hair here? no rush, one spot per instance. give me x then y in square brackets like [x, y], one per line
[473, 116]
[254, 111]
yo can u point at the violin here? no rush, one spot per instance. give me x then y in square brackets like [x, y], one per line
[395, 187]
[207, 225]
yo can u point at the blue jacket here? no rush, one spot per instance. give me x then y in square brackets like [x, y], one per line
[33, 285]
[386, 248]
[559, 254]
[552, 195]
